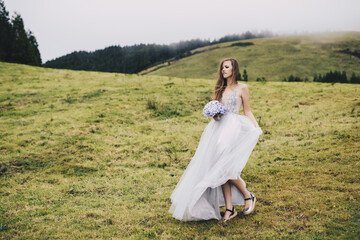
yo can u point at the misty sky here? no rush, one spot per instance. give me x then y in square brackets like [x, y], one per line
[64, 26]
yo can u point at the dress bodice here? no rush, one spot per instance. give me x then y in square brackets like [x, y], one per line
[231, 101]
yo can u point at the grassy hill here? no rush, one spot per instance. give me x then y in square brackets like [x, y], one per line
[97, 155]
[272, 58]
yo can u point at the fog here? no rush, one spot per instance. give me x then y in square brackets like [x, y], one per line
[63, 26]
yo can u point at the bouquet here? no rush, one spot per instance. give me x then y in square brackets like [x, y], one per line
[213, 108]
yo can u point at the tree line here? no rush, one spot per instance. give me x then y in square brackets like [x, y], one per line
[336, 76]
[16, 44]
[20, 46]
[329, 77]
[135, 58]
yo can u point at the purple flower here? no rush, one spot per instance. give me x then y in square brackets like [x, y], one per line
[213, 108]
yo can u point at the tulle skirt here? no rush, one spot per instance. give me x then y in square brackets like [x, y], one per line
[222, 153]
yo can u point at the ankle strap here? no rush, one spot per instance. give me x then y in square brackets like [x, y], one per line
[250, 198]
[232, 211]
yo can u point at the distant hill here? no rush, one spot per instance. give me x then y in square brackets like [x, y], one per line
[272, 58]
[135, 58]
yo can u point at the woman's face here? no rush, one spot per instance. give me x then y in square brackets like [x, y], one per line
[226, 69]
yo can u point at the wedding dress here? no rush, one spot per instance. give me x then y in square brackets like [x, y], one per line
[222, 153]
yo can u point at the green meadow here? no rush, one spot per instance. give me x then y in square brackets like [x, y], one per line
[272, 58]
[89, 155]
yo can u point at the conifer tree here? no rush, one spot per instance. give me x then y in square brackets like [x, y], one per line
[343, 77]
[17, 45]
[354, 78]
[5, 33]
[20, 46]
[245, 76]
[34, 50]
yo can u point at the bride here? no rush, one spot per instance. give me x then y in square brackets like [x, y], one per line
[212, 178]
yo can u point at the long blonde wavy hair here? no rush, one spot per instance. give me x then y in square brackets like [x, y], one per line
[222, 82]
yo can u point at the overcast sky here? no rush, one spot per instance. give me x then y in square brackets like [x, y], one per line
[64, 26]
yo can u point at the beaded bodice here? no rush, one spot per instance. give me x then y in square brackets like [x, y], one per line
[231, 101]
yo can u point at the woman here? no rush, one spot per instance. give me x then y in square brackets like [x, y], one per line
[212, 178]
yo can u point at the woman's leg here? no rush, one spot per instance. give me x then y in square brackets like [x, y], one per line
[240, 184]
[226, 188]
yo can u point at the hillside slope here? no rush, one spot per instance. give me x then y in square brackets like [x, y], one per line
[89, 155]
[273, 58]
[135, 58]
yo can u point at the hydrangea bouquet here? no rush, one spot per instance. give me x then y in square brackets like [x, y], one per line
[213, 108]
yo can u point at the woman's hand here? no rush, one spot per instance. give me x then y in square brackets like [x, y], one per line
[217, 117]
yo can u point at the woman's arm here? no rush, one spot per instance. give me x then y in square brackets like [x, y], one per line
[246, 105]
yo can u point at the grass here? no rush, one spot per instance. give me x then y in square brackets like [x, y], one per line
[97, 155]
[272, 58]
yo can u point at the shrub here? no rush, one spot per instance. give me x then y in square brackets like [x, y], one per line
[151, 104]
[165, 110]
[261, 79]
[292, 78]
[242, 44]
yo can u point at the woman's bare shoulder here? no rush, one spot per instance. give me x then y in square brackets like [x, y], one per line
[242, 87]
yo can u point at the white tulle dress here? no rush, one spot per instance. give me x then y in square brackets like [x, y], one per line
[222, 153]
